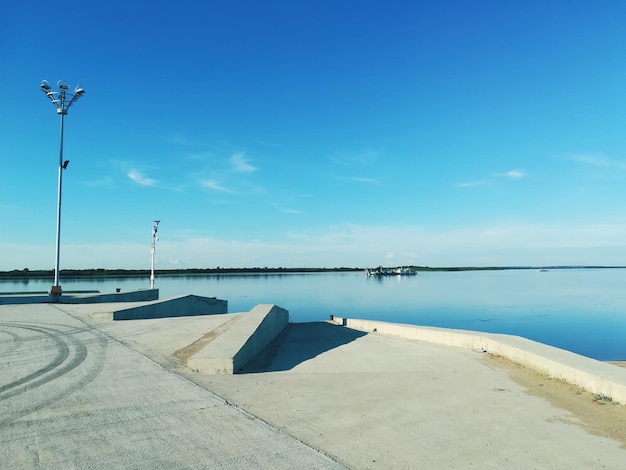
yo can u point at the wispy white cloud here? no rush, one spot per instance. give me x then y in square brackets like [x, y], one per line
[178, 139]
[512, 174]
[515, 174]
[598, 161]
[140, 179]
[492, 244]
[360, 179]
[200, 156]
[268, 144]
[214, 185]
[280, 207]
[181, 140]
[251, 188]
[357, 179]
[470, 184]
[593, 160]
[363, 158]
[106, 181]
[240, 163]
[497, 244]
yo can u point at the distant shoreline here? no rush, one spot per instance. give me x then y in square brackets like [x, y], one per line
[113, 273]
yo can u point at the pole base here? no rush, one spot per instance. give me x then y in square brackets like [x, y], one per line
[55, 292]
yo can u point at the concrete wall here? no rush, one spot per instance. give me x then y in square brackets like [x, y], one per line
[182, 306]
[142, 295]
[11, 299]
[595, 376]
[243, 340]
[80, 297]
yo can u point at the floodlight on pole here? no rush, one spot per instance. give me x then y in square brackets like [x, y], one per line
[62, 99]
[155, 228]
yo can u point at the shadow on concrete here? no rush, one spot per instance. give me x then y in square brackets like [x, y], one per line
[298, 343]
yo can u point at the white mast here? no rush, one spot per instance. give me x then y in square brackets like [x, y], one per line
[155, 227]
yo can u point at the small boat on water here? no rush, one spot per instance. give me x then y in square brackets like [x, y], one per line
[399, 271]
[542, 270]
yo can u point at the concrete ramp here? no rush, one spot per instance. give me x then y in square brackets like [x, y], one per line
[186, 305]
[241, 342]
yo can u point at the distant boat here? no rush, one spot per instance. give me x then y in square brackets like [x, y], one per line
[542, 270]
[400, 271]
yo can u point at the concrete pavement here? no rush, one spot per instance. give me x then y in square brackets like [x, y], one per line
[75, 397]
[375, 402]
[76, 392]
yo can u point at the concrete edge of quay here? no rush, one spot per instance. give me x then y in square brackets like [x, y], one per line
[241, 342]
[184, 305]
[594, 376]
[79, 297]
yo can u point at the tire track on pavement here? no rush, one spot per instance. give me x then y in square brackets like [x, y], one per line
[62, 350]
[41, 388]
[7, 346]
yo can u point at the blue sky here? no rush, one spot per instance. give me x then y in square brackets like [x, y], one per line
[316, 133]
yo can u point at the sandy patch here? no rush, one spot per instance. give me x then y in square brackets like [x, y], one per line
[185, 353]
[599, 415]
[618, 363]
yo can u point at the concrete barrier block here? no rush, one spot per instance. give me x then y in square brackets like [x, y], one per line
[242, 341]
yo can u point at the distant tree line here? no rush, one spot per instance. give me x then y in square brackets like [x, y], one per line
[101, 272]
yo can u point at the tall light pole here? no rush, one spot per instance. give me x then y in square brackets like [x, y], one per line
[155, 228]
[62, 99]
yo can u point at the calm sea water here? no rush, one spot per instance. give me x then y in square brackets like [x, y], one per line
[582, 310]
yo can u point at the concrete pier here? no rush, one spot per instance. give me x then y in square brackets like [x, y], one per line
[80, 390]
